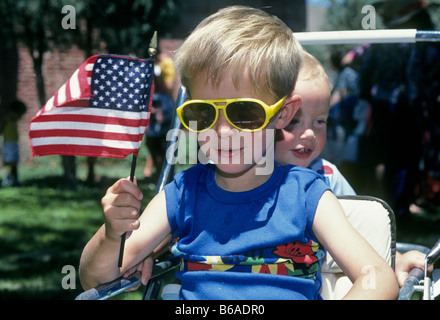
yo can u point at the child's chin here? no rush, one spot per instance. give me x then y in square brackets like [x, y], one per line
[233, 169]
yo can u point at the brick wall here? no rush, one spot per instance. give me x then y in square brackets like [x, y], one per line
[58, 67]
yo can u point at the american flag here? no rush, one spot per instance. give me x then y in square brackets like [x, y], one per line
[101, 111]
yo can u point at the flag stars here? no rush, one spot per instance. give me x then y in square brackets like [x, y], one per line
[120, 84]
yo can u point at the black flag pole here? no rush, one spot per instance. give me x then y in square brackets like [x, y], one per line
[152, 50]
[124, 236]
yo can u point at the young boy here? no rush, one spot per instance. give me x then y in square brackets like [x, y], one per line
[241, 235]
[302, 141]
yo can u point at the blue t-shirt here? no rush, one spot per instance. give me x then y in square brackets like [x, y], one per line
[256, 244]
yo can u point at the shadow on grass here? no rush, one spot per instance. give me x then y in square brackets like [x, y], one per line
[44, 226]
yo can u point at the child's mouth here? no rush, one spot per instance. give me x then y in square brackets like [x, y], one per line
[303, 152]
[229, 153]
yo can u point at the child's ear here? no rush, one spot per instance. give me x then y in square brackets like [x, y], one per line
[288, 111]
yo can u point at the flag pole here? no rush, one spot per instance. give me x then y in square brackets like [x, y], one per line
[152, 52]
[124, 236]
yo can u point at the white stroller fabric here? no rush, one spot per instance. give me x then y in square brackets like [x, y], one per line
[374, 220]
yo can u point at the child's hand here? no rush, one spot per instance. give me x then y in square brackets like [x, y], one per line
[121, 205]
[145, 267]
[405, 262]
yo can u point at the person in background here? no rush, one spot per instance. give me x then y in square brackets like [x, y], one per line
[400, 82]
[11, 147]
[162, 109]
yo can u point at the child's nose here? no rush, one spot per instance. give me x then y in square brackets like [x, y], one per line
[308, 134]
[223, 127]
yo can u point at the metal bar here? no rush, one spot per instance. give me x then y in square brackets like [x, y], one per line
[367, 36]
[409, 287]
[165, 175]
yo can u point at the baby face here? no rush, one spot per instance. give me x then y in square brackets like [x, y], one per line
[304, 138]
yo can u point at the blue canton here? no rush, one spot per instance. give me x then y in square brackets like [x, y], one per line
[121, 83]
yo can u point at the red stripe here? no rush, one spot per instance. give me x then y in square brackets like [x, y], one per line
[87, 118]
[84, 103]
[82, 79]
[84, 134]
[87, 151]
[68, 96]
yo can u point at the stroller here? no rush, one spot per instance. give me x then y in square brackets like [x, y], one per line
[372, 217]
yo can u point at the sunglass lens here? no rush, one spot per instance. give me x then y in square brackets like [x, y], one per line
[198, 116]
[246, 115]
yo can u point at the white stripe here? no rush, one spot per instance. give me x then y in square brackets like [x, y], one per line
[85, 142]
[75, 90]
[99, 112]
[48, 106]
[61, 94]
[89, 66]
[68, 125]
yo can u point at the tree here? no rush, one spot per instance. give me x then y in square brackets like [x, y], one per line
[8, 57]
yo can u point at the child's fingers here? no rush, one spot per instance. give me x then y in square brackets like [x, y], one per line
[121, 205]
[126, 186]
[119, 220]
[146, 269]
[121, 200]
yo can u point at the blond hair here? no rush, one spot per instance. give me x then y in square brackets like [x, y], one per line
[242, 41]
[311, 68]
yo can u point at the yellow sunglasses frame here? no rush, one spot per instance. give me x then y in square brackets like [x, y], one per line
[270, 111]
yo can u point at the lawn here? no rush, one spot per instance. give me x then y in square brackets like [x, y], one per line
[44, 225]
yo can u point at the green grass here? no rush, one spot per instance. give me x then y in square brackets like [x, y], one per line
[44, 225]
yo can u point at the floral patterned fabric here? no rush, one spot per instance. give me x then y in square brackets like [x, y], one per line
[292, 259]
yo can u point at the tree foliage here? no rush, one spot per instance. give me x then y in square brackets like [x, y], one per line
[120, 26]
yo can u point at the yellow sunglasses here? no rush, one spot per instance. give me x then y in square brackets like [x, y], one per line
[244, 114]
